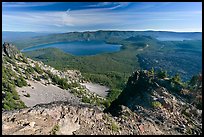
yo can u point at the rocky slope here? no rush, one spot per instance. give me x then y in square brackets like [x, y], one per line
[149, 105]
[35, 82]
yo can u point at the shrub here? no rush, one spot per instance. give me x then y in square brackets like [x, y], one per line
[74, 85]
[37, 78]
[5, 106]
[176, 87]
[38, 69]
[106, 103]
[18, 70]
[162, 74]
[63, 83]
[10, 104]
[27, 75]
[176, 79]
[24, 59]
[15, 95]
[85, 100]
[156, 104]
[11, 61]
[45, 77]
[114, 126]
[54, 78]
[97, 101]
[21, 82]
[30, 70]
[55, 129]
[151, 72]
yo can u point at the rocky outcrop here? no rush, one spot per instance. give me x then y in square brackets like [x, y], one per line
[9, 50]
[61, 118]
[137, 88]
[153, 100]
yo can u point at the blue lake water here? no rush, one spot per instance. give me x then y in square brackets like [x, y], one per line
[79, 48]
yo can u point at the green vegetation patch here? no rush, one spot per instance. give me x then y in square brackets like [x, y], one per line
[38, 69]
[62, 82]
[114, 126]
[156, 104]
[10, 97]
[54, 130]
[86, 99]
[20, 82]
[162, 74]
[29, 69]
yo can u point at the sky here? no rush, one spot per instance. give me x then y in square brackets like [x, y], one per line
[91, 16]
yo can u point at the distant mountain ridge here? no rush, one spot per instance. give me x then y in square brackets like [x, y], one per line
[13, 36]
[126, 34]
[104, 36]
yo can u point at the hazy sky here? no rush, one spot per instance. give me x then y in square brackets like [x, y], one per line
[83, 16]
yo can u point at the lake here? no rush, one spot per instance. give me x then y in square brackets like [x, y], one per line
[79, 48]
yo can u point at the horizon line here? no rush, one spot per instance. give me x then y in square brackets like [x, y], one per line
[103, 30]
